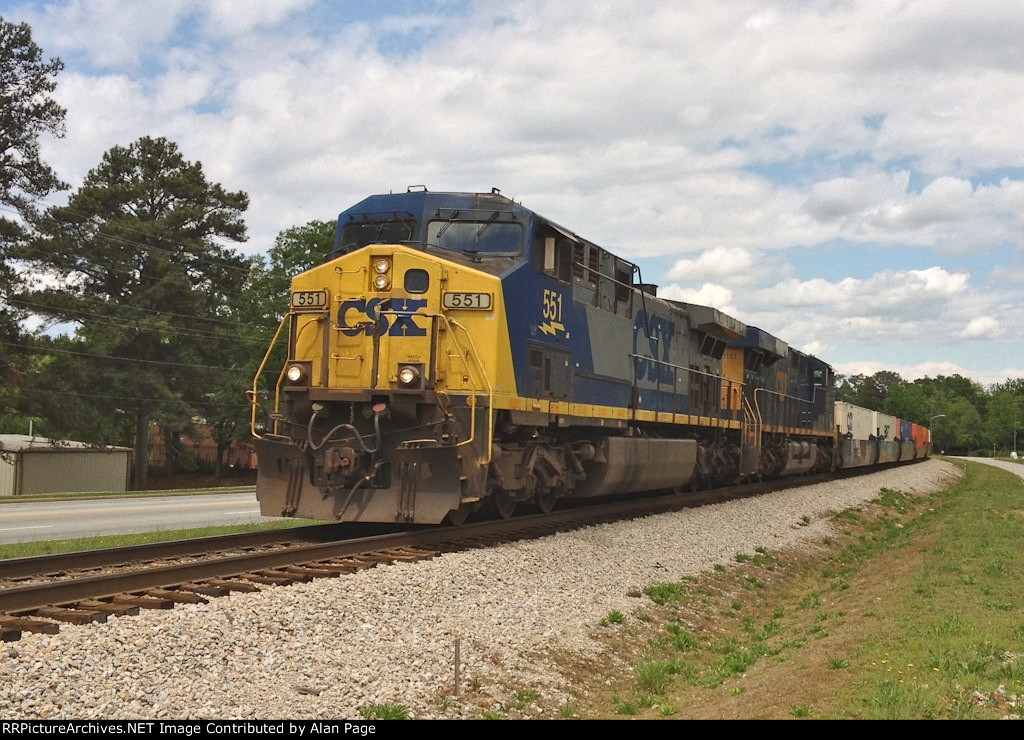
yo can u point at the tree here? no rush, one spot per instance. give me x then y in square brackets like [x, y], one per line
[138, 270]
[868, 391]
[27, 112]
[264, 302]
[1004, 425]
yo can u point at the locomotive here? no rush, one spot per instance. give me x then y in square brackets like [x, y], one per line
[458, 350]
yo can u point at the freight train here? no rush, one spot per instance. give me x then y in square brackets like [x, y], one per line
[459, 351]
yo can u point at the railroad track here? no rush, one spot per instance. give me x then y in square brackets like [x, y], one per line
[39, 594]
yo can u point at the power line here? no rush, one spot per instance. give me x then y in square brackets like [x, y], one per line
[48, 392]
[114, 357]
[48, 216]
[114, 321]
[124, 306]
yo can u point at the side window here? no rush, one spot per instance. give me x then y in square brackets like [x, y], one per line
[553, 254]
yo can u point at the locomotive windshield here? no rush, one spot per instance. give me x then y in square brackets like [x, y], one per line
[476, 233]
[398, 229]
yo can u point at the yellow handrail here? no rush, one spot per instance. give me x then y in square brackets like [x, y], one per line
[490, 392]
[254, 393]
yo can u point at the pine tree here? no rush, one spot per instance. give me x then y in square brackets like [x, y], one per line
[27, 112]
[136, 265]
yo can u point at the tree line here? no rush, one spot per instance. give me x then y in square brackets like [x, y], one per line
[148, 314]
[964, 416]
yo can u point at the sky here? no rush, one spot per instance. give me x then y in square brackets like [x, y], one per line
[846, 175]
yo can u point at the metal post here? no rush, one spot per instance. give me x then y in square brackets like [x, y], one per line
[457, 658]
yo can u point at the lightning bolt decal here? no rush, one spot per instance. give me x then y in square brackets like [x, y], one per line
[550, 327]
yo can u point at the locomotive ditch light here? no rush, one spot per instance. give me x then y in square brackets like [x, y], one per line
[409, 376]
[381, 265]
[297, 373]
[381, 282]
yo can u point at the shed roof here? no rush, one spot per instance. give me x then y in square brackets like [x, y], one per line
[25, 443]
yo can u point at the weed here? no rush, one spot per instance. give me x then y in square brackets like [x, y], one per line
[662, 593]
[625, 706]
[810, 601]
[386, 710]
[719, 568]
[522, 698]
[667, 710]
[491, 714]
[804, 520]
[568, 710]
[654, 676]
[800, 710]
[682, 639]
[614, 617]
[837, 663]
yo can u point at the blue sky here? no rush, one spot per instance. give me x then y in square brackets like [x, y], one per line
[846, 175]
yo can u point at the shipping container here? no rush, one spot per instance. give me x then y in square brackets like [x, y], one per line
[854, 422]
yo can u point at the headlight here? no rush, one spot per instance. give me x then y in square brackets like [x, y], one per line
[381, 265]
[295, 373]
[408, 375]
[381, 282]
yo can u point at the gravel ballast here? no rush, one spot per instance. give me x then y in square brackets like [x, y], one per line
[328, 648]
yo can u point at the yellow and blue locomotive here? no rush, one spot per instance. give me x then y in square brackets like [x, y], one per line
[460, 350]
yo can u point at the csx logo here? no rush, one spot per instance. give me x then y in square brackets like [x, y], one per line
[659, 332]
[397, 322]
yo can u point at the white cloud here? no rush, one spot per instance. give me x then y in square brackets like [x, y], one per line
[982, 327]
[708, 294]
[716, 136]
[715, 264]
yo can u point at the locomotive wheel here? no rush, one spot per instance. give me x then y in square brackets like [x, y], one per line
[545, 500]
[503, 503]
[457, 517]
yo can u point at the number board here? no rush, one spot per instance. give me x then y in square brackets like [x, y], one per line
[309, 299]
[479, 301]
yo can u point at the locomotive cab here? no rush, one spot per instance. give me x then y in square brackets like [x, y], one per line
[384, 408]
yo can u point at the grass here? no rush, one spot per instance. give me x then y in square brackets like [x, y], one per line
[913, 611]
[613, 617]
[386, 710]
[49, 547]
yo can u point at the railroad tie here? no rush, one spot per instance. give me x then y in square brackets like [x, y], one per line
[71, 616]
[288, 573]
[312, 571]
[9, 635]
[234, 585]
[204, 589]
[277, 580]
[144, 602]
[411, 554]
[121, 610]
[178, 597]
[351, 565]
[25, 624]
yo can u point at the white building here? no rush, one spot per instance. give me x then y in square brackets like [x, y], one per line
[34, 465]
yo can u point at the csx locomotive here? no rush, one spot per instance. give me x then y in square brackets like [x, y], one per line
[459, 350]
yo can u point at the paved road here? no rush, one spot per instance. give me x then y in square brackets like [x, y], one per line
[53, 520]
[1013, 467]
